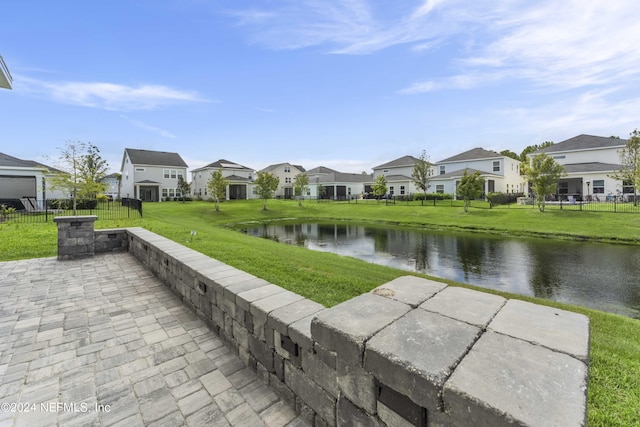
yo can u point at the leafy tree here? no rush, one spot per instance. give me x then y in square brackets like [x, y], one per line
[543, 175]
[266, 185]
[300, 186]
[422, 172]
[470, 187]
[183, 187]
[379, 187]
[82, 171]
[630, 162]
[532, 148]
[217, 186]
[511, 154]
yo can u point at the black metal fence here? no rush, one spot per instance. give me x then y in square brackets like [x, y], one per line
[30, 210]
[613, 205]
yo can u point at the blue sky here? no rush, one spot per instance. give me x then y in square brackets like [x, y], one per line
[346, 84]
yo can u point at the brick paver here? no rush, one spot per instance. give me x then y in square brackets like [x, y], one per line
[100, 341]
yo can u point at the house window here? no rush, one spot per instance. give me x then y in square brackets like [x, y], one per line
[442, 170]
[171, 173]
[164, 193]
[139, 169]
[287, 180]
[391, 190]
[598, 186]
[563, 187]
[559, 157]
[402, 190]
[287, 169]
[627, 187]
[496, 166]
[385, 171]
[440, 188]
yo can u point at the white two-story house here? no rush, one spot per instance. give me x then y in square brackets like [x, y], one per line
[240, 180]
[501, 173]
[151, 176]
[589, 162]
[397, 174]
[286, 172]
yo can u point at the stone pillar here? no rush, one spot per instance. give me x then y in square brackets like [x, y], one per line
[76, 237]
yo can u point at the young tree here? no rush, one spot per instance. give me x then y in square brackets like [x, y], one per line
[266, 185]
[422, 172]
[470, 187]
[630, 162]
[217, 186]
[300, 186]
[532, 148]
[543, 174]
[511, 154]
[183, 187]
[81, 171]
[379, 187]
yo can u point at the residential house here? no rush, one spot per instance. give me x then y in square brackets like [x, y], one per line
[501, 173]
[112, 186]
[26, 178]
[326, 183]
[151, 176]
[240, 180]
[398, 173]
[589, 162]
[6, 81]
[286, 172]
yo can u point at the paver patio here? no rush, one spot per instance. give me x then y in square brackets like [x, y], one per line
[100, 341]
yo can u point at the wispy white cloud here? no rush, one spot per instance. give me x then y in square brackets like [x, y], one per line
[141, 125]
[554, 45]
[108, 96]
[342, 26]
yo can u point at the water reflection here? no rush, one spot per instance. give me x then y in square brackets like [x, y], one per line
[600, 276]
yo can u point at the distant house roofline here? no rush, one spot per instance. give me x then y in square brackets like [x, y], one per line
[6, 81]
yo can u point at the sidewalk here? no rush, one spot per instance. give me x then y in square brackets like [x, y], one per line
[101, 342]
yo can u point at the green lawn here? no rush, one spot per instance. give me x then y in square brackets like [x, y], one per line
[614, 389]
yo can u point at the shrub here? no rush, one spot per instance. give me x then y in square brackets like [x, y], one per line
[67, 204]
[432, 196]
[502, 198]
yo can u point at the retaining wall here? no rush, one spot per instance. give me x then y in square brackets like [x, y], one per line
[411, 352]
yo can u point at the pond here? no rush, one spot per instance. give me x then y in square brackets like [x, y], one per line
[601, 276]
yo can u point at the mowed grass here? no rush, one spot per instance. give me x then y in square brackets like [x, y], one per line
[614, 388]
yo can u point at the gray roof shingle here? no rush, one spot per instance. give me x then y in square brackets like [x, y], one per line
[591, 167]
[222, 163]
[154, 158]
[473, 154]
[402, 161]
[583, 142]
[273, 167]
[10, 161]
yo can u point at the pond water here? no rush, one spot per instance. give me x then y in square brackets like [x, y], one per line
[601, 276]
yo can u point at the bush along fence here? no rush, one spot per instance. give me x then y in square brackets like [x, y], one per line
[30, 210]
[502, 201]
